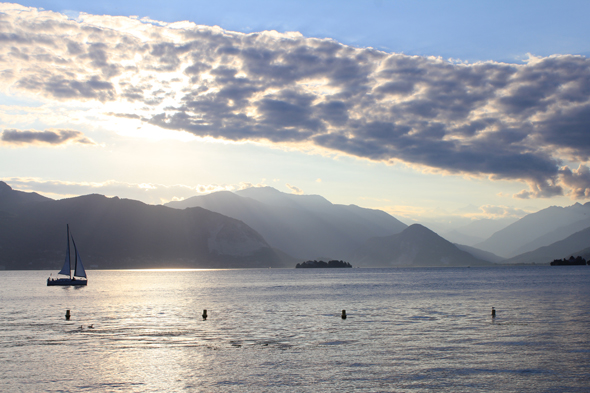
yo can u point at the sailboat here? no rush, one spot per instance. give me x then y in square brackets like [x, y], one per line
[79, 277]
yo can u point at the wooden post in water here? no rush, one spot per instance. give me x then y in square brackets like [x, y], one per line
[493, 312]
[204, 315]
[343, 314]
[68, 315]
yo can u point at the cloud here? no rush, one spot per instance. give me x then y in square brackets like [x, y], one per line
[294, 190]
[245, 185]
[50, 137]
[437, 218]
[146, 192]
[491, 211]
[578, 181]
[503, 121]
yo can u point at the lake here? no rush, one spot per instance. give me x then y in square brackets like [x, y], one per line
[269, 330]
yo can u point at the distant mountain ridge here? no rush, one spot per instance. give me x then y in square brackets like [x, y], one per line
[416, 246]
[260, 227]
[122, 233]
[303, 226]
[537, 229]
[477, 231]
[558, 234]
[573, 245]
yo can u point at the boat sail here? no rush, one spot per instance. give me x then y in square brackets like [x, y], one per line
[79, 277]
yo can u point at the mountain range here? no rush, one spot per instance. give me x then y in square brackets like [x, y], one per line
[416, 246]
[573, 245]
[303, 226]
[123, 233]
[538, 229]
[263, 227]
[476, 231]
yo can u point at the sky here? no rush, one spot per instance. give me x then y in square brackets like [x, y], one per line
[432, 111]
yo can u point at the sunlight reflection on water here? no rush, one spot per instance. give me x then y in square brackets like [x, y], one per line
[273, 330]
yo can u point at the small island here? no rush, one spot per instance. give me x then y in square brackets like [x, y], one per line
[569, 262]
[321, 264]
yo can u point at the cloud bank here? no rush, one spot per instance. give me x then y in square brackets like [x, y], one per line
[524, 122]
[48, 137]
[148, 192]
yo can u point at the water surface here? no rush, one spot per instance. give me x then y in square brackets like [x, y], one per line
[408, 330]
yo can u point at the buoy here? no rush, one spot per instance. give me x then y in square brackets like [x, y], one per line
[68, 315]
[204, 315]
[343, 314]
[493, 312]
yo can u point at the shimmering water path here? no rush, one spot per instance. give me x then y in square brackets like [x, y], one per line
[408, 330]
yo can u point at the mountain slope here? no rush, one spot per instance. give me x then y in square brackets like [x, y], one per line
[11, 200]
[121, 233]
[555, 236]
[415, 246]
[304, 226]
[510, 240]
[481, 254]
[573, 245]
[476, 231]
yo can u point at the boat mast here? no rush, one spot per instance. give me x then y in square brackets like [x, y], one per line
[68, 251]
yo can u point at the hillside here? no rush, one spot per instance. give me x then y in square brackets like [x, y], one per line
[560, 233]
[573, 245]
[121, 233]
[530, 231]
[415, 246]
[304, 226]
[480, 254]
[13, 200]
[476, 231]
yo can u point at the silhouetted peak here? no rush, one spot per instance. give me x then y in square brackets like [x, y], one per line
[259, 191]
[220, 195]
[10, 198]
[89, 198]
[275, 197]
[4, 188]
[417, 232]
[418, 229]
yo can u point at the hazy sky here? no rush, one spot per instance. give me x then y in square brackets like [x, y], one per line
[425, 109]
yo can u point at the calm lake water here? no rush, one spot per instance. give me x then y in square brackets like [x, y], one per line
[408, 330]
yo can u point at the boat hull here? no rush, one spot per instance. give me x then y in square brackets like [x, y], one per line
[65, 281]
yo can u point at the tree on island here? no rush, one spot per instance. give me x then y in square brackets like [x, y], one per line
[571, 261]
[322, 264]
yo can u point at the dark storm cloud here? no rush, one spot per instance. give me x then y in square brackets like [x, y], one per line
[48, 137]
[506, 121]
[568, 128]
